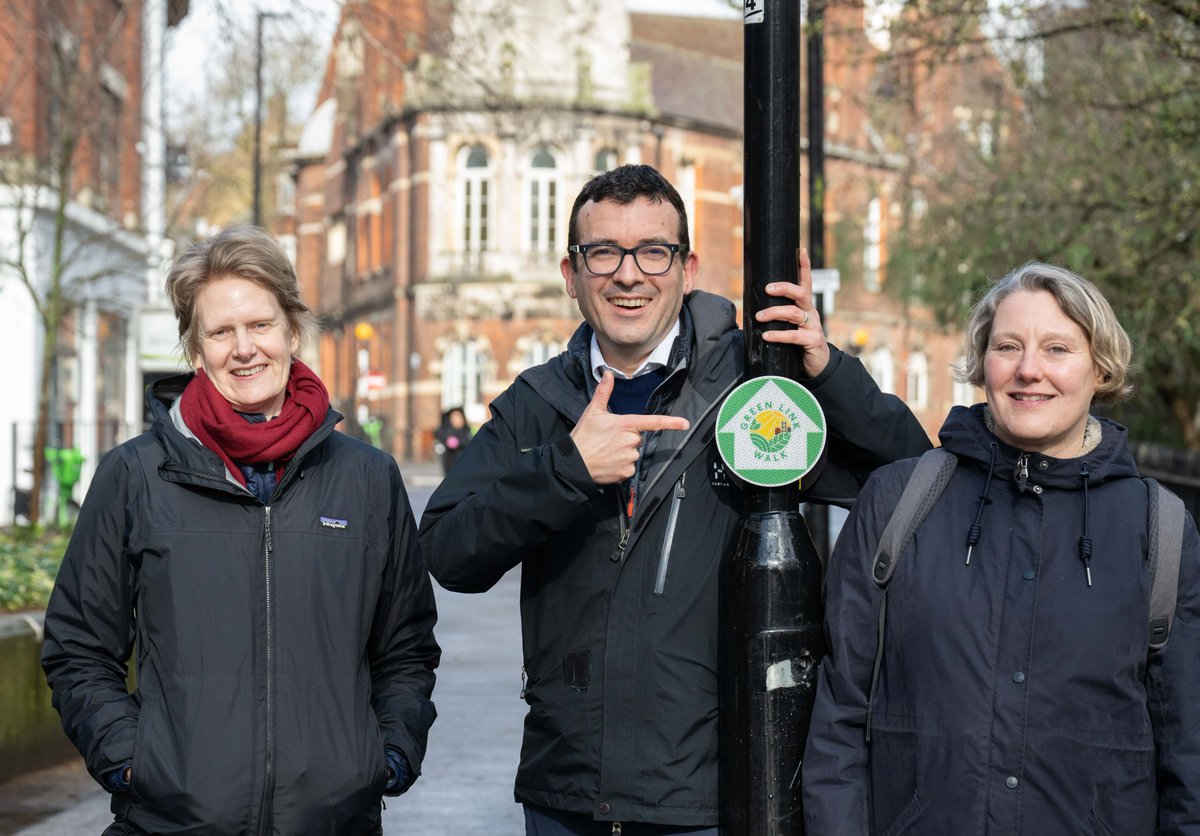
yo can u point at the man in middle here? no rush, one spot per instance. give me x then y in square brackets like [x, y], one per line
[599, 474]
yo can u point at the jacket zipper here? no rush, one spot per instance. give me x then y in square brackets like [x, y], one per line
[619, 555]
[1022, 471]
[264, 826]
[660, 581]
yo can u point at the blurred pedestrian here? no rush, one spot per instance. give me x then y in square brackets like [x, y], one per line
[451, 436]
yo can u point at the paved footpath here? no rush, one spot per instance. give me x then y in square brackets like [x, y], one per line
[466, 785]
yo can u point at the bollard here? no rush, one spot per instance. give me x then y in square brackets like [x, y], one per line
[67, 464]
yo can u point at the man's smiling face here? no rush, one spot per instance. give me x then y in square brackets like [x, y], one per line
[630, 312]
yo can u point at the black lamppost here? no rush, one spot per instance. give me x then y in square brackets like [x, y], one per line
[258, 117]
[771, 635]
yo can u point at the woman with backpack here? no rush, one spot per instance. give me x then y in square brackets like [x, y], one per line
[1000, 678]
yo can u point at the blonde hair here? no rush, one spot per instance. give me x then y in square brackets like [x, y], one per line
[247, 252]
[1080, 300]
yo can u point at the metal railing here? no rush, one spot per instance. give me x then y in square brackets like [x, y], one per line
[1179, 470]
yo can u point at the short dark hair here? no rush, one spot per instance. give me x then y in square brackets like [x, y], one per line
[247, 252]
[625, 184]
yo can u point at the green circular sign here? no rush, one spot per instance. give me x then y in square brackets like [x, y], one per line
[771, 431]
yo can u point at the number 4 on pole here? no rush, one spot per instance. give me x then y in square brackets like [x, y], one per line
[756, 11]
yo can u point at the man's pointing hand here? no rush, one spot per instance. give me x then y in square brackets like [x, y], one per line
[610, 444]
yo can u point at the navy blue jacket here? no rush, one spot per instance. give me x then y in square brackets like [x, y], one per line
[1013, 698]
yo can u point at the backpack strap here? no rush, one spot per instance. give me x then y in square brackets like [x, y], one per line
[924, 486]
[1166, 515]
[926, 483]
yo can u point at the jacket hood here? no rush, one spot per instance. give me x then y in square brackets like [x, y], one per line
[965, 433]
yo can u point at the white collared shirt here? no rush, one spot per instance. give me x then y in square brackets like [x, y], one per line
[658, 358]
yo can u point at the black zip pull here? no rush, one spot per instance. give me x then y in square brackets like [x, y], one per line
[1022, 472]
[1085, 540]
[620, 552]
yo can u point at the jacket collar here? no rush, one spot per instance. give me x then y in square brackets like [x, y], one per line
[708, 343]
[183, 453]
[965, 433]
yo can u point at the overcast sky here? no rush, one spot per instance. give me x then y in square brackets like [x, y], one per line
[208, 22]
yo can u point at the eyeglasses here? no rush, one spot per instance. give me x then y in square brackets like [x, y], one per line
[606, 259]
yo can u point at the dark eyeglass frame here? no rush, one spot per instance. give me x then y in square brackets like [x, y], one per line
[584, 249]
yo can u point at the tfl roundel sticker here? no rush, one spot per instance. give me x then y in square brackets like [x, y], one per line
[771, 431]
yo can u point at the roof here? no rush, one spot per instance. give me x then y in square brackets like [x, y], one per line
[696, 65]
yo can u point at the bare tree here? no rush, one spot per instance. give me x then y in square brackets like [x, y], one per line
[65, 56]
[1094, 169]
[213, 132]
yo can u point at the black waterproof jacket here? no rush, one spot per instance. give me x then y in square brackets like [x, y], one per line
[1013, 697]
[280, 647]
[619, 620]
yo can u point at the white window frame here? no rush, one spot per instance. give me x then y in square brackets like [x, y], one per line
[464, 369]
[962, 394]
[542, 204]
[873, 245]
[882, 368]
[474, 200]
[918, 380]
[539, 350]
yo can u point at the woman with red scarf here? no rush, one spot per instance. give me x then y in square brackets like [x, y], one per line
[264, 566]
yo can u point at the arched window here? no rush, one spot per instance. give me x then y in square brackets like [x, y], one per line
[474, 176]
[606, 160]
[918, 380]
[879, 364]
[542, 207]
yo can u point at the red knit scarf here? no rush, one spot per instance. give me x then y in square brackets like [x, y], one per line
[219, 428]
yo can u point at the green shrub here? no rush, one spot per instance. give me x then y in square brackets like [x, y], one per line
[29, 560]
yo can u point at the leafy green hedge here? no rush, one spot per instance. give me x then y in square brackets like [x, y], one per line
[28, 565]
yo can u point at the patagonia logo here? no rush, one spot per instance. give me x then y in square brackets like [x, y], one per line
[333, 522]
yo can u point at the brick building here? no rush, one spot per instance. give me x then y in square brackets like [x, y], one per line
[435, 178]
[74, 140]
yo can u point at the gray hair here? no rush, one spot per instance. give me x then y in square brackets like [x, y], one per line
[247, 252]
[1080, 300]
